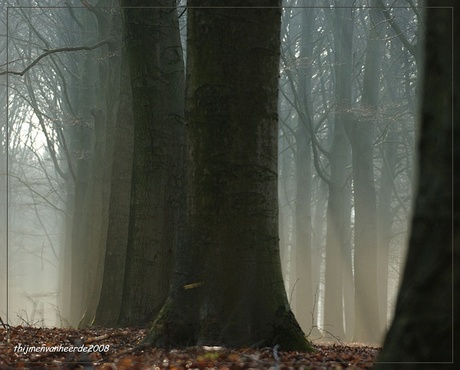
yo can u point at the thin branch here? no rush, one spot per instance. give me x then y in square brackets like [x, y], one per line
[52, 205]
[49, 142]
[315, 143]
[386, 12]
[183, 12]
[54, 51]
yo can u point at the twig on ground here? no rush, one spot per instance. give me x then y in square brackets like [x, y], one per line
[5, 326]
[104, 336]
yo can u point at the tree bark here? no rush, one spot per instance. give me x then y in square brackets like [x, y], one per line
[110, 301]
[83, 136]
[227, 287]
[156, 214]
[423, 328]
[103, 113]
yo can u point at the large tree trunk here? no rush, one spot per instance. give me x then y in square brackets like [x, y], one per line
[104, 116]
[228, 287]
[84, 141]
[110, 301]
[423, 327]
[156, 215]
[97, 90]
[71, 137]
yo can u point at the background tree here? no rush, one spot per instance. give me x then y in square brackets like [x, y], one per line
[38, 117]
[424, 324]
[338, 243]
[361, 134]
[3, 168]
[80, 136]
[89, 229]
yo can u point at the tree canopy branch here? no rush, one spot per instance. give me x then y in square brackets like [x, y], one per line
[386, 12]
[54, 51]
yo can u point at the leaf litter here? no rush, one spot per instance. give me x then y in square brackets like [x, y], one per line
[121, 348]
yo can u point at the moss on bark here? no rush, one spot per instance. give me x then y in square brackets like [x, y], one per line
[287, 333]
[169, 330]
[174, 329]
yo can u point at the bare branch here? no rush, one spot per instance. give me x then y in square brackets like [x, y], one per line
[386, 12]
[45, 199]
[54, 51]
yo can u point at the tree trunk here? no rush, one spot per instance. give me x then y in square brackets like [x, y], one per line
[104, 116]
[84, 137]
[338, 256]
[3, 209]
[156, 215]
[423, 327]
[303, 292]
[385, 221]
[367, 328]
[228, 288]
[305, 305]
[109, 306]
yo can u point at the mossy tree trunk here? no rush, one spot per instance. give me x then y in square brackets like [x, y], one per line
[424, 325]
[227, 285]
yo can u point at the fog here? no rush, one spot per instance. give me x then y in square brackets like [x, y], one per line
[347, 109]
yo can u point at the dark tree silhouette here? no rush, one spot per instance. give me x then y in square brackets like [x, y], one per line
[156, 213]
[227, 285]
[424, 323]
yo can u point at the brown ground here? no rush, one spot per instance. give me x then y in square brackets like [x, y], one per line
[119, 349]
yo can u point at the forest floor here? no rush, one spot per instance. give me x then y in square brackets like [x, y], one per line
[119, 349]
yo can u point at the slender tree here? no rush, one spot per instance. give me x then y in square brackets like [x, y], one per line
[338, 255]
[83, 139]
[3, 176]
[304, 295]
[361, 134]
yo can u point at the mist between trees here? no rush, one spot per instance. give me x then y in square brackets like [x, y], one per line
[147, 169]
